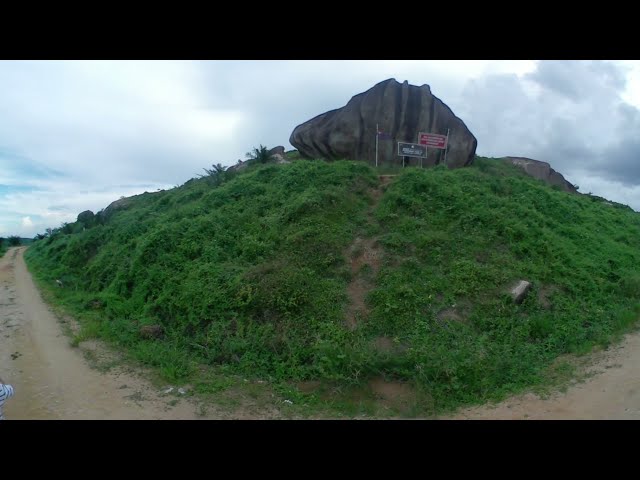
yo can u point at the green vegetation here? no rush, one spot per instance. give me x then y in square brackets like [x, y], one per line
[249, 276]
[259, 155]
[293, 155]
[12, 241]
[216, 175]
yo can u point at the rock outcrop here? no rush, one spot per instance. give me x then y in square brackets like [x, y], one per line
[542, 171]
[121, 204]
[86, 217]
[276, 155]
[240, 165]
[401, 111]
[279, 150]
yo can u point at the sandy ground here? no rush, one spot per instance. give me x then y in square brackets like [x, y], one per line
[53, 380]
[611, 391]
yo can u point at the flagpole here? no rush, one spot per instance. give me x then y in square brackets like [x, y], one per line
[377, 130]
[446, 148]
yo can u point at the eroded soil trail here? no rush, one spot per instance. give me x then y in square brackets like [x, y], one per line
[53, 380]
[364, 257]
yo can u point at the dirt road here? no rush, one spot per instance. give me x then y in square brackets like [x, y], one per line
[53, 380]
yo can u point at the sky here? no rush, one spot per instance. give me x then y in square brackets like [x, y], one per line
[78, 135]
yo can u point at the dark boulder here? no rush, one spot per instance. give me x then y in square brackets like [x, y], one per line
[151, 331]
[279, 150]
[401, 111]
[86, 217]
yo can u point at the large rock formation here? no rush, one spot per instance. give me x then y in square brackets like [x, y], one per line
[542, 171]
[401, 112]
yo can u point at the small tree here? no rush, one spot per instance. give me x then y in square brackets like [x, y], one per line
[216, 174]
[260, 154]
[14, 241]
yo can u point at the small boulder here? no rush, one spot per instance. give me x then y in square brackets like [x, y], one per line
[279, 150]
[520, 291]
[86, 217]
[96, 304]
[151, 331]
[240, 165]
[450, 315]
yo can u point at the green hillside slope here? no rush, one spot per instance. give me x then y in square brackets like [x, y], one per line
[326, 272]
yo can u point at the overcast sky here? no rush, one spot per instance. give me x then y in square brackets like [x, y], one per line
[77, 135]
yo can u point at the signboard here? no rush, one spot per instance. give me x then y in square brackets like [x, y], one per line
[412, 150]
[432, 140]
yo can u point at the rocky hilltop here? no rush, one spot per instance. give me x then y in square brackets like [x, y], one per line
[542, 171]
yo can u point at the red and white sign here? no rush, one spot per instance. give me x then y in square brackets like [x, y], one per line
[432, 140]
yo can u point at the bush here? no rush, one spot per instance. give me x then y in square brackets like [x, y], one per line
[216, 174]
[14, 241]
[259, 155]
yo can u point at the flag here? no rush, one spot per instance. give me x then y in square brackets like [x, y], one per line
[383, 136]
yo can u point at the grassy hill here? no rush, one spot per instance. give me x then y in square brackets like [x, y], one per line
[333, 285]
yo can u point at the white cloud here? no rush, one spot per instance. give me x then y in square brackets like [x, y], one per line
[76, 135]
[54, 203]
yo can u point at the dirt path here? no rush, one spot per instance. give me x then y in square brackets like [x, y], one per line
[364, 252]
[53, 380]
[612, 392]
